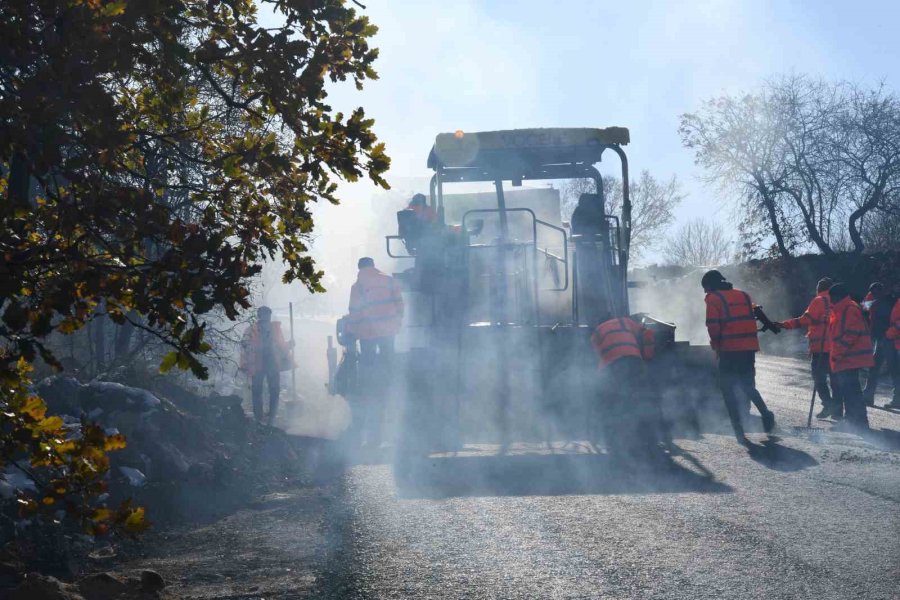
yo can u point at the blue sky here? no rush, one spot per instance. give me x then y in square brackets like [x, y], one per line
[476, 65]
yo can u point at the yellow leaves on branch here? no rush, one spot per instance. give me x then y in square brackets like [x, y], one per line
[114, 442]
[48, 425]
[34, 407]
[101, 8]
[136, 522]
[68, 466]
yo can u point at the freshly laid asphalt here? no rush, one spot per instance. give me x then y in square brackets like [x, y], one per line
[799, 515]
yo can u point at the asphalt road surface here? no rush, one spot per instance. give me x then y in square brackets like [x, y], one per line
[798, 516]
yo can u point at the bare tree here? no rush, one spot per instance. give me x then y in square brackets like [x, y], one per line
[800, 111]
[866, 145]
[653, 204]
[697, 243]
[881, 231]
[809, 158]
[735, 141]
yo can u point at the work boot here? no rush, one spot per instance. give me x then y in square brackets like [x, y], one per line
[824, 413]
[743, 441]
[768, 421]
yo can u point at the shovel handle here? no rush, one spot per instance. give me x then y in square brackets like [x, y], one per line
[812, 404]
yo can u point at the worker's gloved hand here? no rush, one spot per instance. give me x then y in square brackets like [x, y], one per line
[777, 326]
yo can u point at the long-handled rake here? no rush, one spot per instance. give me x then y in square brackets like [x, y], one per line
[809, 428]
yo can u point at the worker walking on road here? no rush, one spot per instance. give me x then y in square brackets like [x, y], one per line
[264, 354]
[732, 334]
[880, 302]
[851, 350]
[376, 314]
[623, 345]
[893, 334]
[815, 320]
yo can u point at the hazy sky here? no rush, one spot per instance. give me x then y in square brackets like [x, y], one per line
[498, 64]
[475, 65]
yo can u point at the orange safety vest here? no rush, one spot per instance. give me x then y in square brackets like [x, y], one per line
[815, 319]
[424, 213]
[618, 338]
[376, 305]
[252, 351]
[893, 330]
[851, 346]
[730, 321]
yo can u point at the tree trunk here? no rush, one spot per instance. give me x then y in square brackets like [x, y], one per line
[812, 230]
[853, 225]
[873, 201]
[769, 203]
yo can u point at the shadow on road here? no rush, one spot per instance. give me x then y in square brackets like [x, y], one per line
[886, 439]
[773, 455]
[547, 475]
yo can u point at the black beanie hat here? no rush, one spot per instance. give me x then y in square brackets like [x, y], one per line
[711, 279]
[838, 291]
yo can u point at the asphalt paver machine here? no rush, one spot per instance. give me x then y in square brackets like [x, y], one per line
[504, 296]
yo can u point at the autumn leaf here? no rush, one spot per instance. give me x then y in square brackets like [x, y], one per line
[168, 361]
[34, 407]
[114, 442]
[136, 522]
[49, 424]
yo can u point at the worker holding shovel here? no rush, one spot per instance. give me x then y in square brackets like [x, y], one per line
[264, 355]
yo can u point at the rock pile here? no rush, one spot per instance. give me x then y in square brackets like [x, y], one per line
[141, 585]
[188, 457]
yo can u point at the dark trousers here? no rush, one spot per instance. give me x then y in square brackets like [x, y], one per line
[376, 357]
[821, 374]
[737, 372]
[885, 355]
[273, 380]
[631, 412]
[849, 388]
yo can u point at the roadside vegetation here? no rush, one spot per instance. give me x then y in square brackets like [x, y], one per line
[152, 156]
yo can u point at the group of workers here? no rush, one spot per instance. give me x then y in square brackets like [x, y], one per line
[375, 316]
[624, 344]
[845, 339]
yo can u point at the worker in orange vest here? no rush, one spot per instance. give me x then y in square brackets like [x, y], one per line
[732, 334]
[893, 334]
[878, 304]
[376, 314]
[424, 213]
[815, 320]
[851, 350]
[264, 354]
[623, 344]
[623, 338]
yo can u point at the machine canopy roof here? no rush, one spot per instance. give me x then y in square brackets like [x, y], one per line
[517, 152]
